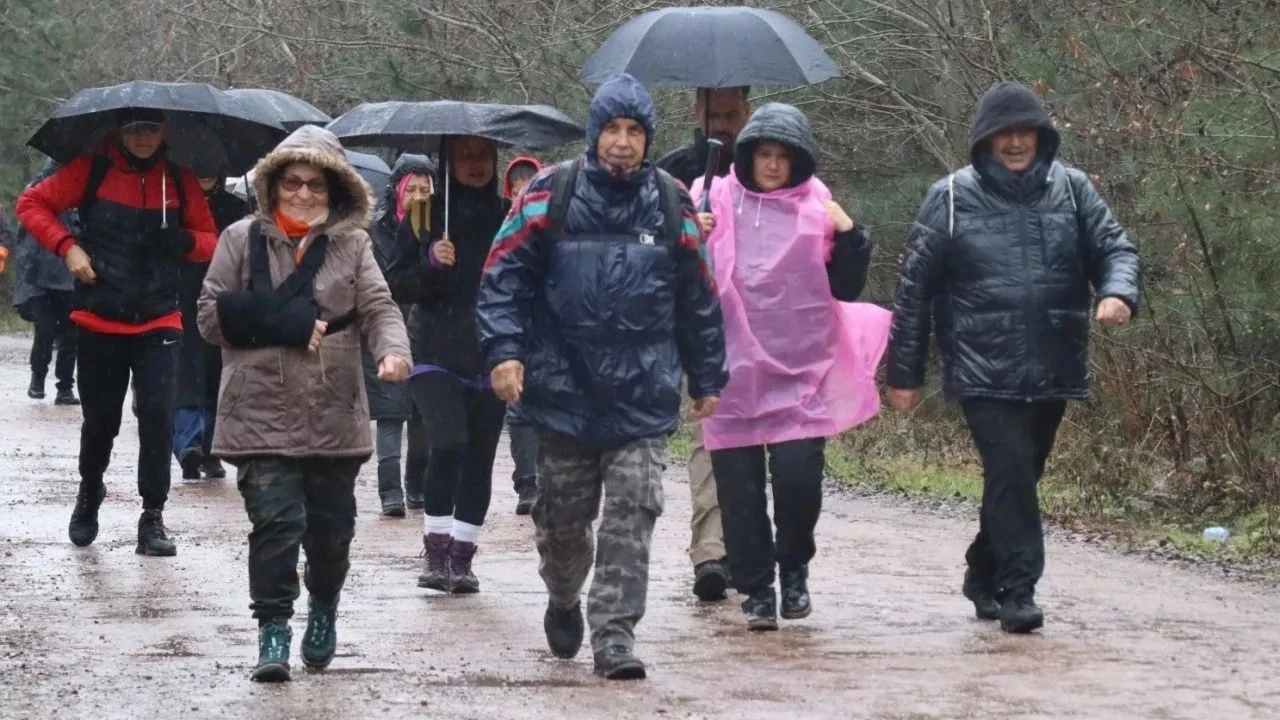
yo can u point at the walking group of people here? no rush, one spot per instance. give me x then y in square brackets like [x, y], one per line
[577, 305]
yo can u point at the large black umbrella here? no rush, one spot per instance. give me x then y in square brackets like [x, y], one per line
[206, 131]
[372, 168]
[419, 127]
[291, 112]
[711, 47]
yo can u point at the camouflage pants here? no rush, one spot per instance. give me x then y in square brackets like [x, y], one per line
[308, 503]
[571, 482]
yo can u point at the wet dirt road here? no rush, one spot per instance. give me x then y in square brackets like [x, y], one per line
[101, 633]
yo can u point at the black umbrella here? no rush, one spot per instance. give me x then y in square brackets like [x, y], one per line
[711, 47]
[205, 130]
[419, 126]
[291, 112]
[372, 168]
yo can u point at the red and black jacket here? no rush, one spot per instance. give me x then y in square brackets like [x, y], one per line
[137, 286]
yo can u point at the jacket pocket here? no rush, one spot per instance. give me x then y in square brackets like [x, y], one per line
[232, 389]
[1066, 343]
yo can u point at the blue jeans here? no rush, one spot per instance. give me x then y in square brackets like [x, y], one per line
[192, 427]
[524, 452]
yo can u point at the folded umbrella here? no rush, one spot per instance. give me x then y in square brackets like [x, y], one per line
[711, 47]
[291, 112]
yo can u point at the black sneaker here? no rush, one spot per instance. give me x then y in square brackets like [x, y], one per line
[152, 539]
[761, 610]
[617, 663]
[274, 639]
[564, 630]
[66, 397]
[191, 460]
[795, 593]
[982, 594]
[527, 494]
[83, 529]
[212, 468]
[35, 390]
[1019, 613]
[320, 641]
[710, 580]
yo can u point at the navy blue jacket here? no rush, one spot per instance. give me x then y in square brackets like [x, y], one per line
[604, 326]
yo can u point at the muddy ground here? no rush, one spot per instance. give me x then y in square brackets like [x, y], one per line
[100, 632]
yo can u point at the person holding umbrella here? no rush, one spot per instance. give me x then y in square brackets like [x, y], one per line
[595, 298]
[463, 418]
[291, 296]
[142, 217]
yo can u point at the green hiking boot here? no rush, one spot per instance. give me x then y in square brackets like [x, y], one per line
[274, 639]
[320, 641]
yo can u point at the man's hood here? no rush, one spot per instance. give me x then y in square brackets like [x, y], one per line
[1009, 105]
[621, 96]
[781, 123]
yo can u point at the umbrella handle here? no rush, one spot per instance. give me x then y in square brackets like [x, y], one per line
[164, 200]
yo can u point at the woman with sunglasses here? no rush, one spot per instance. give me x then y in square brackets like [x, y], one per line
[289, 296]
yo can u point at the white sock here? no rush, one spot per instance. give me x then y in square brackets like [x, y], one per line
[466, 532]
[437, 525]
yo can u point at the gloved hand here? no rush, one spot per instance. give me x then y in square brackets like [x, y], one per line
[172, 242]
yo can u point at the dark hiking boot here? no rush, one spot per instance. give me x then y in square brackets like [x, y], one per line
[564, 630]
[981, 593]
[526, 493]
[465, 582]
[414, 471]
[83, 529]
[212, 468]
[617, 663]
[795, 593]
[389, 491]
[1019, 613]
[436, 551]
[320, 641]
[190, 460]
[35, 390]
[274, 639]
[710, 580]
[66, 397]
[152, 539]
[761, 610]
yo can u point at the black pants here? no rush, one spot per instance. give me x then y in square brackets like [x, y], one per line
[1014, 440]
[105, 365]
[524, 453]
[796, 468]
[49, 314]
[463, 427]
[292, 503]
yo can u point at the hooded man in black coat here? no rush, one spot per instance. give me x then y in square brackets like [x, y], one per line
[1000, 261]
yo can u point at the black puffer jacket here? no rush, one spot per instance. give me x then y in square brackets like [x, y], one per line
[1009, 286]
[607, 315]
[387, 400]
[442, 327]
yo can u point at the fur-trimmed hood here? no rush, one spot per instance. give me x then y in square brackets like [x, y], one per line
[350, 202]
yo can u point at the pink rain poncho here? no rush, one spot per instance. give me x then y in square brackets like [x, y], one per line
[801, 363]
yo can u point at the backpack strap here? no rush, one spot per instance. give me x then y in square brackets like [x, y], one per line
[98, 168]
[259, 268]
[672, 210]
[562, 183]
[175, 172]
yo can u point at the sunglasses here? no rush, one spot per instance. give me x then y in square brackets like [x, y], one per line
[317, 186]
[139, 127]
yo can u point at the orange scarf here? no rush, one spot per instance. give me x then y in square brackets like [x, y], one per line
[294, 229]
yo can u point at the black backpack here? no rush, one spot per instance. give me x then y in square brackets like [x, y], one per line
[566, 175]
[98, 172]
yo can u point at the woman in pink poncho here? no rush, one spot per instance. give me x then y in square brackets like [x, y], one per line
[788, 263]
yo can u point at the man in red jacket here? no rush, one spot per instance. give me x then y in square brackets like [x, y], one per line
[142, 216]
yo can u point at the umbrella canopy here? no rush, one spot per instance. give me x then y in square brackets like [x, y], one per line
[711, 47]
[419, 126]
[205, 130]
[372, 168]
[291, 112]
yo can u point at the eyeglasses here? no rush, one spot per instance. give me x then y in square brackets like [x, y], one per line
[140, 127]
[317, 186]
